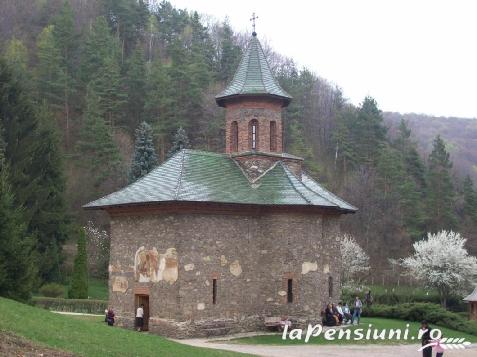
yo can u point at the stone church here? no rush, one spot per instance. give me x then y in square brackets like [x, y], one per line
[213, 243]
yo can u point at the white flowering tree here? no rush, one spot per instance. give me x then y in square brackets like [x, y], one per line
[442, 262]
[98, 244]
[354, 260]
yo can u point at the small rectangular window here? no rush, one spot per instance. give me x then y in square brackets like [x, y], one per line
[214, 291]
[290, 291]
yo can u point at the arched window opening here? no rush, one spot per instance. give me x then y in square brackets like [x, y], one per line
[234, 137]
[290, 291]
[330, 286]
[253, 136]
[273, 136]
[214, 291]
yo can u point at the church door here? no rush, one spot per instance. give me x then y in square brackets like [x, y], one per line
[144, 300]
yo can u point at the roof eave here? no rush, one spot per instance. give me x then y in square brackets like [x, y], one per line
[221, 100]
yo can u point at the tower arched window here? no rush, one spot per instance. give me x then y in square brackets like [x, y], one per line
[234, 137]
[253, 134]
[273, 136]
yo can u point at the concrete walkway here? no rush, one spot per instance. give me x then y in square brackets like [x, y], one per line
[316, 350]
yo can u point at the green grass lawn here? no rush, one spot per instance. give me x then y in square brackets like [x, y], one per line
[378, 323]
[89, 336]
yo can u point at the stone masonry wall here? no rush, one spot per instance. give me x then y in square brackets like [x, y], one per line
[252, 258]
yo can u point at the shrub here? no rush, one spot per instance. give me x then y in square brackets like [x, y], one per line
[433, 313]
[79, 281]
[52, 290]
[86, 306]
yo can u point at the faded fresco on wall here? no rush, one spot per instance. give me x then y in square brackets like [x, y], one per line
[151, 266]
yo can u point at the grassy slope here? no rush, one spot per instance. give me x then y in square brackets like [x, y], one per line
[378, 323]
[89, 338]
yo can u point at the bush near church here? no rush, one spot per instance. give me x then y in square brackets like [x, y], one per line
[433, 313]
[52, 290]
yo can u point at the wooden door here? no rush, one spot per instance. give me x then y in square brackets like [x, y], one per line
[144, 300]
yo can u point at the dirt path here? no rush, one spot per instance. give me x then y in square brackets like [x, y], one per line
[325, 351]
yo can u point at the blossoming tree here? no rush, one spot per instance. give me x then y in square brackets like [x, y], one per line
[355, 261]
[442, 262]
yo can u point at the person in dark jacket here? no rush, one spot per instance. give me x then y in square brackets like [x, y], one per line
[426, 339]
[329, 319]
[110, 317]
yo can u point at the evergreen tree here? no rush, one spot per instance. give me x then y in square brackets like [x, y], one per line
[370, 133]
[79, 281]
[16, 57]
[96, 141]
[34, 158]
[99, 45]
[109, 89]
[181, 141]
[136, 86]
[440, 192]
[144, 159]
[470, 199]
[17, 258]
[230, 54]
[49, 218]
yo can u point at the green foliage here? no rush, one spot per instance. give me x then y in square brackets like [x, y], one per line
[96, 141]
[136, 86]
[181, 141]
[144, 159]
[440, 192]
[433, 313]
[52, 290]
[36, 172]
[79, 280]
[470, 199]
[84, 306]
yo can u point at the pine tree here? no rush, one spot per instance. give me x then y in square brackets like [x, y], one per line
[34, 158]
[145, 158]
[96, 141]
[370, 133]
[17, 257]
[230, 54]
[181, 141]
[136, 86]
[49, 217]
[470, 199]
[99, 45]
[440, 191]
[79, 281]
[108, 87]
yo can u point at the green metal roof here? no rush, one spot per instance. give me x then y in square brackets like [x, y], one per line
[197, 176]
[253, 77]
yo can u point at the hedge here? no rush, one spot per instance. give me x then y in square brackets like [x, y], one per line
[400, 297]
[88, 306]
[433, 313]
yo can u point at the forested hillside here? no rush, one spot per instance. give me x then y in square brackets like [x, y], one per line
[78, 77]
[460, 135]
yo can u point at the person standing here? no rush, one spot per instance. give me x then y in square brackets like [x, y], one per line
[368, 299]
[140, 317]
[358, 305]
[110, 317]
[426, 339]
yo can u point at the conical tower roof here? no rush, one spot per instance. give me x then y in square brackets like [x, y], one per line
[253, 77]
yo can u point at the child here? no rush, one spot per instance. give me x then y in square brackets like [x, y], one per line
[438, 347]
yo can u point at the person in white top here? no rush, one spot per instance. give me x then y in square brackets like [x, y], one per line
[140, 317]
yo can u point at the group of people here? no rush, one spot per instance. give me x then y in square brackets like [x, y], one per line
[339, 314]
[139, 320]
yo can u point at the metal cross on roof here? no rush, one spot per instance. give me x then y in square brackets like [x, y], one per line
[253, 21]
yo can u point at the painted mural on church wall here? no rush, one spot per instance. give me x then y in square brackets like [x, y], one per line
[150, 266]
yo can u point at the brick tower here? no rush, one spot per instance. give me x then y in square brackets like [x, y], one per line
[253, 102]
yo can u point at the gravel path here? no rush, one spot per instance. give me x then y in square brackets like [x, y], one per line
[328, 351]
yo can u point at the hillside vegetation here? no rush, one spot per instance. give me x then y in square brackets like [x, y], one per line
[78, 77]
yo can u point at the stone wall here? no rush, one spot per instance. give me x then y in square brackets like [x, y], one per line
[174, 257]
